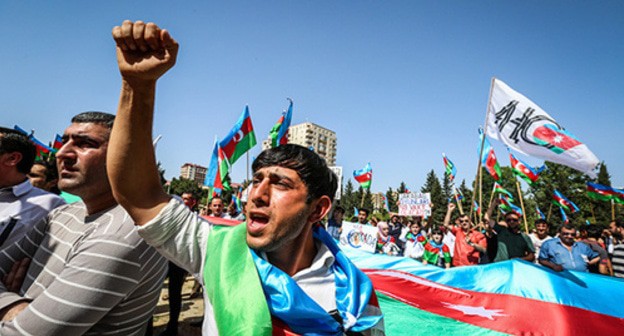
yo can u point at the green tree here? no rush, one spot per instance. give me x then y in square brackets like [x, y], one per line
[432, 185]
[571, 183]
[392, 199]
[347, 200]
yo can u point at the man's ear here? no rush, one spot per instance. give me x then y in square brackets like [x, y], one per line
[12, 159]
[321, 208]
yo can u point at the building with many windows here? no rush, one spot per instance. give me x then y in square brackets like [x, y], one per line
[319, 139]
[193, 172]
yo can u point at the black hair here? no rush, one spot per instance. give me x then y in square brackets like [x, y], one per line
[567, 227]
[214, 198]
[339, 209]
[437, 231]
[541, 221]
[310, 167]
[365, 210]
[102, 118]
[593, 231]
[14, 141]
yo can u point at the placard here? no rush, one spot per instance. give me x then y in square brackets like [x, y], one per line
[363, 237]
[415, 204]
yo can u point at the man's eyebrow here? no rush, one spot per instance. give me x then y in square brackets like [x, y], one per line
[83, 137]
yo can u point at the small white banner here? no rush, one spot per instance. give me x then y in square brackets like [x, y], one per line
[359, 236]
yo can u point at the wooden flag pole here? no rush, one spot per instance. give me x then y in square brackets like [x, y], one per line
[591, 207]
[479, 176]
[526, 224]
[612, 210]
[362, 201]
[549, 209]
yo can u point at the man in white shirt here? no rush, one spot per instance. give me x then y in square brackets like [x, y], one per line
[21, 204]
[282, 239]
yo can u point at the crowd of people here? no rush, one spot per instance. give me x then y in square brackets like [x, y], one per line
[97, 266]
[459, 242]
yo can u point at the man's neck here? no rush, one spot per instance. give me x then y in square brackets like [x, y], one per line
[12, 180]
[543, 235]
[296, 255]
[99, 203]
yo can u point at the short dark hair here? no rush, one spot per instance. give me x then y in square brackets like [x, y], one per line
[102, 118]
[365, 210]
[567, 227]
[593, 231]
[437, 231]
[312, 170]
[541, 221]
[14, 141]
[214, 198]
[339, 209]
[619, 222]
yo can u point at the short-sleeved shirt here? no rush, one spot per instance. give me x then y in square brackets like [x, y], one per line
[618, 261]
[574, 260]
[465, 254]
[511, 245]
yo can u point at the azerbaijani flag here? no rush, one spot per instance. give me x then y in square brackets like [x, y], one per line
[364, 176]
[506, 206]
[500, 190]
[451, 171]
[488, 159]
[601, 192]
[524, 171]
[539, 212]
[279, 132]
[508, 297]
[57, 144]
[218, 170]
[383, 197]
[240, 139]
[563, 202]
[476, 208]
[40, 147]
[564, 218]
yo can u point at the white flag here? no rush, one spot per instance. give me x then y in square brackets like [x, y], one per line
[522, 125]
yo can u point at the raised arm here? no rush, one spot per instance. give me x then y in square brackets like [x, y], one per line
[144, 53]
[447, 217]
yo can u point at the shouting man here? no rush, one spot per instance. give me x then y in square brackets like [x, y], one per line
[280, 267]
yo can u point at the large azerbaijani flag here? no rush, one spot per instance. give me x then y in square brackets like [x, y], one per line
[240, 139]
[509, 297]
[522, 125]
[364, 176]
[279, 132]
[512, 297]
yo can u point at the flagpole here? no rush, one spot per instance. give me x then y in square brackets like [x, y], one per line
[549, 209]
[479, 175]
[591, 207]
[362, 201]
[491, 196]
[612, 210]
[526, 224]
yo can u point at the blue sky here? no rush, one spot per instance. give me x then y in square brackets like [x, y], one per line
[400, 82]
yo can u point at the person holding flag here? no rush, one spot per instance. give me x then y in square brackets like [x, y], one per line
[470, 244]
[512, 242]
[252, 273]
